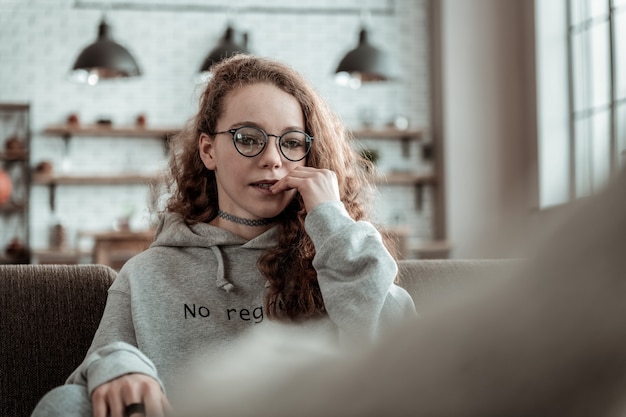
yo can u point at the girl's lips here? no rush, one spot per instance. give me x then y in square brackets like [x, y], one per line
[264, 185]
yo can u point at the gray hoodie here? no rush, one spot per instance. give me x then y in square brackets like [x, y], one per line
[198, 287]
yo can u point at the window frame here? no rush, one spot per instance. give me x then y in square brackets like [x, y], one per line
[583, 174]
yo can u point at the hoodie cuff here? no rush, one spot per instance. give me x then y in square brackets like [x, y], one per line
[114, 361]
[326, 220]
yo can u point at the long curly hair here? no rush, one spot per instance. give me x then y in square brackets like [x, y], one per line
[293, 293]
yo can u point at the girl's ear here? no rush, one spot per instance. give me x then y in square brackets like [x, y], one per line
[207, 151]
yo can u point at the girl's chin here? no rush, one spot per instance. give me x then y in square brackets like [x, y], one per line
[273, 209]
[268, 214]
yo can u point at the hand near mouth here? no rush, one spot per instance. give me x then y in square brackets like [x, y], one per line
[316, 186]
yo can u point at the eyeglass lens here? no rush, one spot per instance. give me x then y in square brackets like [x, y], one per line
[251, 141]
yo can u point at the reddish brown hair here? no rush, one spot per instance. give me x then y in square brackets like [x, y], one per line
[293, 292]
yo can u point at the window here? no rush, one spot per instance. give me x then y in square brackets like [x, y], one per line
[581, 73]
[597, 38]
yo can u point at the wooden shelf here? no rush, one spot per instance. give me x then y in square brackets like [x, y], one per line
[96, 179]
[436, 249]
[13, 207]
[398, 178]
[133, 131]
[406, 178]
[60, 256]
[109, 131]
[118, 234]
[405, 136]
[388, 133]
[14, 157]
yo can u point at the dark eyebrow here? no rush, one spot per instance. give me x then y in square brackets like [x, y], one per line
[254, 124]
[290, 128]
[245, 123]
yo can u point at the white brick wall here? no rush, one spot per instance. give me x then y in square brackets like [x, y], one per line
[40, 39]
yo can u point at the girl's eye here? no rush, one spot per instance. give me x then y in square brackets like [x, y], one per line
[292, 143]
[293, 140]
[248, 140]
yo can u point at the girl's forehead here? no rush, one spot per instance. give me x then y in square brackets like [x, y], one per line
[264, 101]
[254, 88]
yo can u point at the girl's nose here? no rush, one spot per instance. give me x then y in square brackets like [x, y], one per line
[271, 156]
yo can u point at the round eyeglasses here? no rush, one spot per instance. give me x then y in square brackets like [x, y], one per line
[250, 142]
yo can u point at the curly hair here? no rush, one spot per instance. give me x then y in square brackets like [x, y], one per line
[293, 293]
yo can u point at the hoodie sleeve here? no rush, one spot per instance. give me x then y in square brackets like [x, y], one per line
[113, 351]
[356, 274]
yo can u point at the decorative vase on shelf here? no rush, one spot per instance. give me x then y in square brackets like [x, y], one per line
[17, 252]
[6, 187]
[57, 235]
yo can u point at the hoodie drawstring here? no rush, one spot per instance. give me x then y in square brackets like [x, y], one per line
[220, 279]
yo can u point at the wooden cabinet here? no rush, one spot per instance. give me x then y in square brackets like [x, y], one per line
[14, 183]
[115, 248]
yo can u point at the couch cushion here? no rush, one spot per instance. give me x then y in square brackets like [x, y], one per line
[433, 282]
[49, 314]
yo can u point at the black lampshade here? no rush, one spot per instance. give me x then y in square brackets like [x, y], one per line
[227, 47]
[365, 63]
[104, 59]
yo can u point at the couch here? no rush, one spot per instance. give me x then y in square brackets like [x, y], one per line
[49, 314]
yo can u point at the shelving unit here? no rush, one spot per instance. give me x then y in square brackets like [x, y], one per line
[15, 165]
[52, 180]
[77, 253]
[406, 178]
[432, 249]
[67, 130]
[406, 137]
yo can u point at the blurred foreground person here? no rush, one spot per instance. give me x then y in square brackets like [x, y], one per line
[549, 340]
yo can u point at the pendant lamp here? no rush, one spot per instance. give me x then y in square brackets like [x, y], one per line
[104, 59]
[226, 47]
[364, 64]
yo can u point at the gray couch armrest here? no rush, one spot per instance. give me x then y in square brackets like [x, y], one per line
[48, 316]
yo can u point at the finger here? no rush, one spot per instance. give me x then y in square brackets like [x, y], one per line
[99, 406]
[116, 406]
[153, 403]
[304, 170]
[169, 411]
[131, 401]
[307, 172]
[284, 184]
[300, 173]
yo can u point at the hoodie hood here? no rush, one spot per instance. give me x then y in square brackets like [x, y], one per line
[172, 231]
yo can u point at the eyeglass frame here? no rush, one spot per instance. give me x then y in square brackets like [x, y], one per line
[308, 138]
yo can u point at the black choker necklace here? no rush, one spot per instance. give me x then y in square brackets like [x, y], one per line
[246, 222]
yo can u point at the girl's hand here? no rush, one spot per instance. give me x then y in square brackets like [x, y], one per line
[112, 398]
[316, 186]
